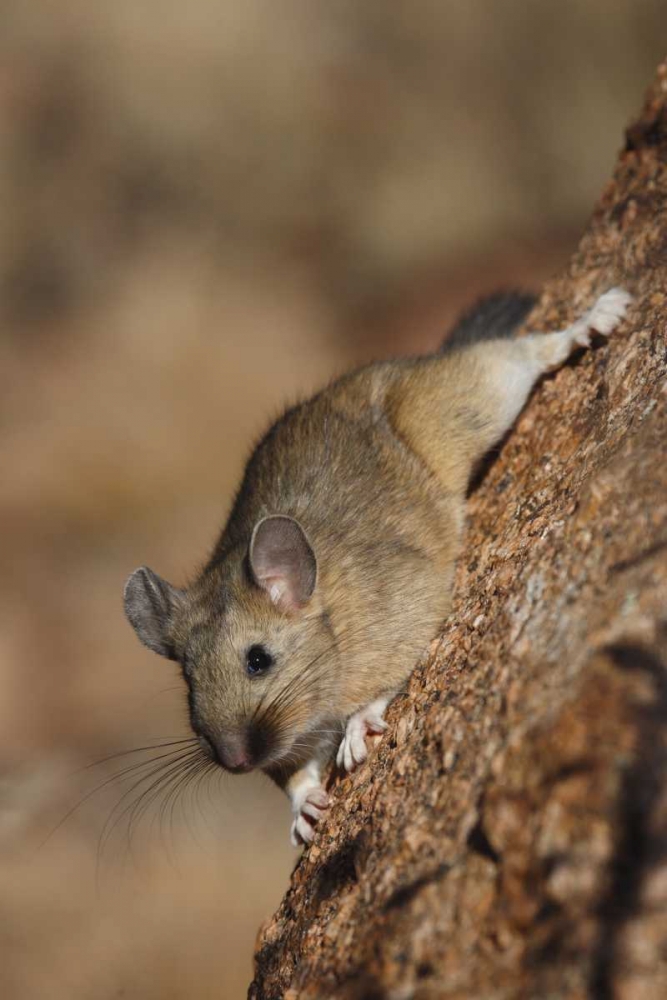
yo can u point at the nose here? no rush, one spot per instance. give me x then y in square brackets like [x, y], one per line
[230, 752]
[235, 759]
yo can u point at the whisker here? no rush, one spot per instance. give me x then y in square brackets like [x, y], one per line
[143, 801]
[163, 770]
[127, 753]
[290, 692]
[163, 785]
[287, 689]
[176, 795]
[98, 788]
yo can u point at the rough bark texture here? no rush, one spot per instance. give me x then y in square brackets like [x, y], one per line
[508, 838]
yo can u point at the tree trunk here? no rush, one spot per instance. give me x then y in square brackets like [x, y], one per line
[508, 837]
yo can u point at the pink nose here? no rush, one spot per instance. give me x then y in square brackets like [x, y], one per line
[233, 753]
[230, 751]
[235, 759]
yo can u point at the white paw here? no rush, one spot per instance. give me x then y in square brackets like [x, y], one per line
[368, 722]
[606, 314]
[308, 811]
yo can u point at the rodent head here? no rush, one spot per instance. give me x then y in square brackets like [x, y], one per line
[255, 646]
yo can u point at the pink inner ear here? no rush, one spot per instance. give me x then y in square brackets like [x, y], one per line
[278, 590]
[282, 561]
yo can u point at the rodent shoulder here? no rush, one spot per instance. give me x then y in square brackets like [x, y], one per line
[325, 462]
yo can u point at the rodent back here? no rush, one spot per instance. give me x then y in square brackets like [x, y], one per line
[336, 465]
[374, 517]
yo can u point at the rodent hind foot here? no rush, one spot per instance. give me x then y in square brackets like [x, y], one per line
[605, 315]
[553, 349]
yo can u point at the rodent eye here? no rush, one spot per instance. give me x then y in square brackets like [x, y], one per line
[258, 660]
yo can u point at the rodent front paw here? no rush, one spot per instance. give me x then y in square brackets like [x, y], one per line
[368, 722]
[310, 812]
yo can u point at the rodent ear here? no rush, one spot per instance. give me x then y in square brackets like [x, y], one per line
[282, 561]
[150, 603]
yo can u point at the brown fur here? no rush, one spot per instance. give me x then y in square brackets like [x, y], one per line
[374, 470]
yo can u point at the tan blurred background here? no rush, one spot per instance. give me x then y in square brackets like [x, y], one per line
[207, 209]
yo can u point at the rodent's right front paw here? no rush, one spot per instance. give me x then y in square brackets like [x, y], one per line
[310, 811]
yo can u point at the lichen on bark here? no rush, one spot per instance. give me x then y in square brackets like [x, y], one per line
[508, 837]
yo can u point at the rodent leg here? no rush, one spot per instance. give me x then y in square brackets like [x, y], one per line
[309, 802]
[550, 350]
[513, 367]
[368, 721]
[456, 406]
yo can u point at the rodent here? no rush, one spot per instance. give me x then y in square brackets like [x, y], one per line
[335, 568]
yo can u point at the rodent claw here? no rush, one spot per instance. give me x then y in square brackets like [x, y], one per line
[311, 810]
[368, 722]
[302, 832]
[316, 803]
[608, 312]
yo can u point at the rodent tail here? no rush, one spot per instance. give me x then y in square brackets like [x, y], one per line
[492, 318]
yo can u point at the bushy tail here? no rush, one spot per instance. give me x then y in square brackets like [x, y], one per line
[494, 317]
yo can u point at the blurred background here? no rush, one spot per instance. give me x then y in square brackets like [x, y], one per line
[208, 209]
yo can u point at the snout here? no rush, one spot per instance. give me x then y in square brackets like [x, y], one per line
[235, 752]
[236, 760]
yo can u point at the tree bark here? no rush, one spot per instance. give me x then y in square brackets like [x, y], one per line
[508, 836]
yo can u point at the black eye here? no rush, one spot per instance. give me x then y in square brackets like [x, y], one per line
[258, 660]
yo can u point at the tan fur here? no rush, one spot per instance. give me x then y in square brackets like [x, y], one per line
[369, 479]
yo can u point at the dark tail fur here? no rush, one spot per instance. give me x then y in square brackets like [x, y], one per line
[494, 317]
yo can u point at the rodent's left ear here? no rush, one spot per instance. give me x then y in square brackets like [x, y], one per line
[282, 561]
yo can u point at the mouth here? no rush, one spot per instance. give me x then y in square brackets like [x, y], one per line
[242, 768]
[290, 753]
